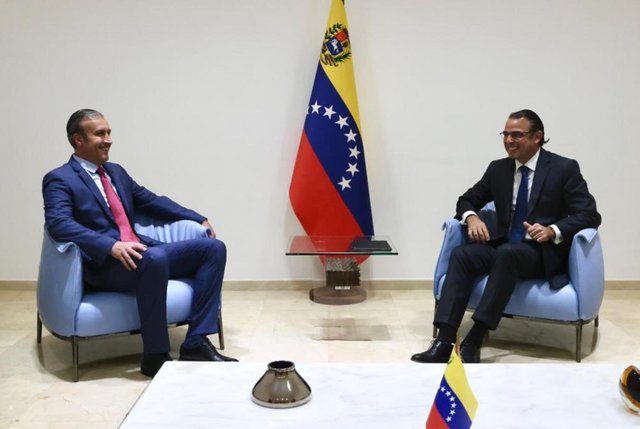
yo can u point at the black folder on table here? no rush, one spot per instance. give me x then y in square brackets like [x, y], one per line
[366, 245]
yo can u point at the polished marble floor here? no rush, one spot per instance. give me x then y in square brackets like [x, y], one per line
[264, 324]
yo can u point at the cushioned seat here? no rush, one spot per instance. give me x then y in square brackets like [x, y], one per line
[73, 315]
[577, 303]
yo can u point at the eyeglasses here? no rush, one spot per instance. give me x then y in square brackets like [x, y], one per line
[516, 135]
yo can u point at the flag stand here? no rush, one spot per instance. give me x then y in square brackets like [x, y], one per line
[343, 283]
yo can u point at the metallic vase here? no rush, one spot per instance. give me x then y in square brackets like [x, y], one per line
[281, 387]
[629, 386]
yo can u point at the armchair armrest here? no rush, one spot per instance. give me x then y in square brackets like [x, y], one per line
[586, 271]
[452, 239]
[170, 232]
[59, 289]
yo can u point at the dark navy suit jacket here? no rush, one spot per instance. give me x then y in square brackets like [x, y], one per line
[559, 195]
[76, 211]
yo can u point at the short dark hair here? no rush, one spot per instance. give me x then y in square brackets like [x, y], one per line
[534, 121]
[74, 124]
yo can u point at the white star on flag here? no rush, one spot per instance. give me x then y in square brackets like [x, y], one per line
[351, 136]
[353, 169]
[342, 121]
[354, 152]
[328, 111]
[345, 183]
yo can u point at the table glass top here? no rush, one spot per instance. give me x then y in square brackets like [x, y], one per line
[341, 245]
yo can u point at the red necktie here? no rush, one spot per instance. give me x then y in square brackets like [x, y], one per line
[126, 232]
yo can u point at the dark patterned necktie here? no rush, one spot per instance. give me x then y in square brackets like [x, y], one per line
[520, 214]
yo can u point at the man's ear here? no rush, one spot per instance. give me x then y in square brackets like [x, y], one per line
[538, 137]
[77, 140]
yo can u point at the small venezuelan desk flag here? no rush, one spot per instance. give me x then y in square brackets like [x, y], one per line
[455, 405]
[329, 190]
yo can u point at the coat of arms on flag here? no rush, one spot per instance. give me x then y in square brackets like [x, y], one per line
[336, 47]
[455, 404]
[329, 189]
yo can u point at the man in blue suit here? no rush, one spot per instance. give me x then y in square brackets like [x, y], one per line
[541, 202]
[92, 203]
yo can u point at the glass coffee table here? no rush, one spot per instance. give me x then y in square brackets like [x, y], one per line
[341, 256]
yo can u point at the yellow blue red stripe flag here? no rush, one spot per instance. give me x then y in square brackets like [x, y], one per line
[455, 404]
[329, 189]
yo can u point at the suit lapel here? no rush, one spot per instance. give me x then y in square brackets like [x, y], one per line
[505, 192]
[88, 181]
[542, 169]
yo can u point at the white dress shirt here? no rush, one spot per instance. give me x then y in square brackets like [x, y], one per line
[92, 170]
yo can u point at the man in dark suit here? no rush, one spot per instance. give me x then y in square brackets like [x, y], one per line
[92, 203]
[541, 202]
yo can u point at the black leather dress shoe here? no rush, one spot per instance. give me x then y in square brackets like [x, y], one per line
[438, 352]
[204, 352]
[152, 363]
[469, 353]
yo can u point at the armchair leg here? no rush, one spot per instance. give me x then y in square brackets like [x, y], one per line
[596, 322]
[435, 329]
[579, 341]
[38, 328]
[220, 330]
[74, 353]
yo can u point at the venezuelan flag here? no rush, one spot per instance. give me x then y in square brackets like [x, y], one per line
[455, 404]
[329, 189]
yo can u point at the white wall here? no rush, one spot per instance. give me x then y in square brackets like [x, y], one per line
[207, 98]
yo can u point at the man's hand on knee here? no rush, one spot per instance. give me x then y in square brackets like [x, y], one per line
[477, 230]
[127, 252]
[207, 225]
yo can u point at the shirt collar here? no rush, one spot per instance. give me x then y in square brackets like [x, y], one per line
[531, 164]
[87, 165]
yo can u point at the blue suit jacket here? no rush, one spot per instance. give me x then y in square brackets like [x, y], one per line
[559, 195]
[76, 211]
